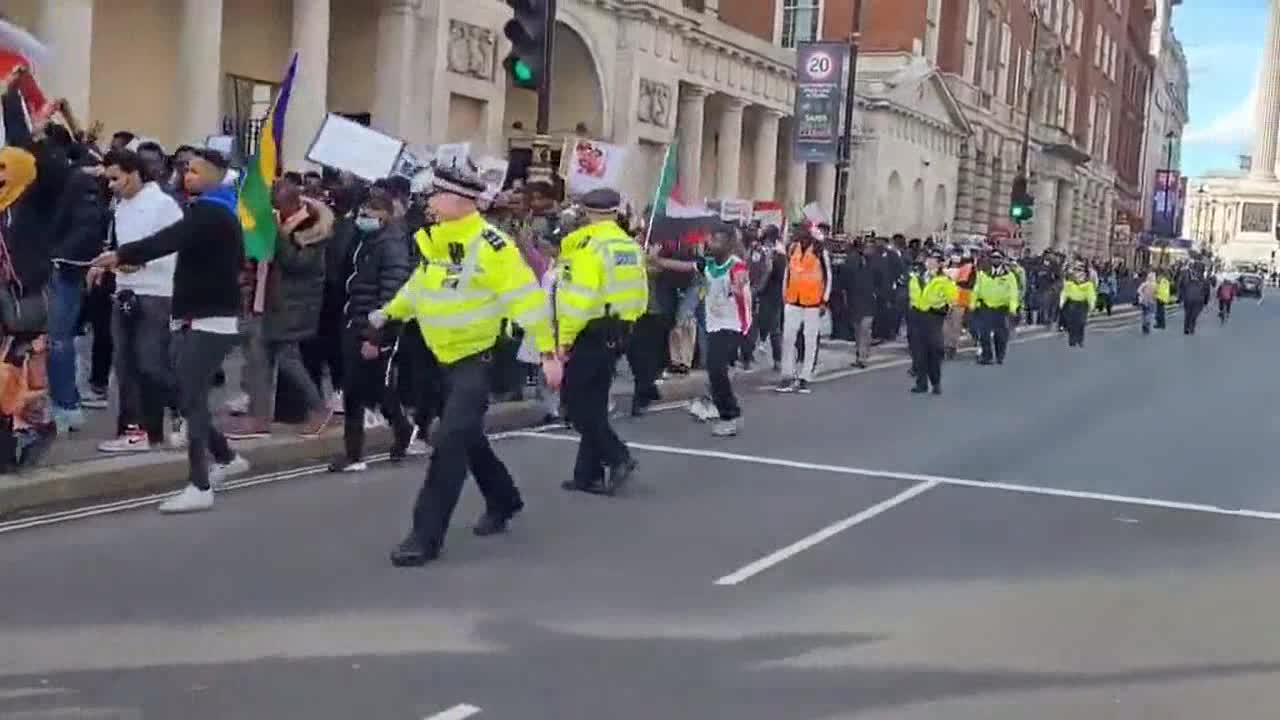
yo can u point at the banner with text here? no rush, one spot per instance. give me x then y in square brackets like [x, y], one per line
[819, 96]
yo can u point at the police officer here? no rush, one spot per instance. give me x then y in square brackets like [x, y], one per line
[931, 294]
[470, 278]
[995, 303]
[601, 290]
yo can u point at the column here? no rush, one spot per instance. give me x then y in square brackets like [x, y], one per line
[766, 156]
[964, 192]
[199, 76]
[981, 193]
[393, 69]
[795, 177]
[689, 124]
[66, 26]
[729, 148]
[311, 86]
[1267, 112]
[825, 191]
[1062, 217]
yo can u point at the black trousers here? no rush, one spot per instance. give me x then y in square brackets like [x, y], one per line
[992, 328]
[366, 384]
[97, 312]
[418, 377]
[1190, 315]
[1159, 315]
[197, 356]
[927, 350]
[1075, 313]
[325, 349]
[722, 347]
[588, 376]
[461, 445]
[646, 353]
[1104, 303]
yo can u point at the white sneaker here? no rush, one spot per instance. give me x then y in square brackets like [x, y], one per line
[219, 473]
[238, 404]
[132, 441]
[418, 448]
[373, 420]
[178, 434]
[335, 403]
[703, 410]
[191, 499]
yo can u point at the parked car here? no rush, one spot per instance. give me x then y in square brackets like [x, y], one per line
[1250, 284]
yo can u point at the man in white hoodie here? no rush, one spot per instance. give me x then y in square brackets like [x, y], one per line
[140, 316]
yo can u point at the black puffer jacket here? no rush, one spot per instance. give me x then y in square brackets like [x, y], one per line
[296, 288]
[380, 265]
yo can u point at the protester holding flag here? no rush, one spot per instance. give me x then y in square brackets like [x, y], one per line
[209, 243]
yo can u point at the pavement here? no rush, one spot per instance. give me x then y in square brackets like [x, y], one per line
[1077, 534]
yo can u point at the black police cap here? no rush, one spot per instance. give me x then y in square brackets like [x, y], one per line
[602, 200]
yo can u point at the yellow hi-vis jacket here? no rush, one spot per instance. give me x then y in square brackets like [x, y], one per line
[1164, 290]
[1084, 292]
[601, 272]
[937, 295]
[997, 292]
[470, 279]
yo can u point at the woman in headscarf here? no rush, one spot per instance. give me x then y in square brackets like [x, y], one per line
[26, 423]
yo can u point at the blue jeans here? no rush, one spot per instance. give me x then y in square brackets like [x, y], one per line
[66, 295]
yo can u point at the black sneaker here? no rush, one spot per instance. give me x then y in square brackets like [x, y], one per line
[937, 390]
[618, 475]
[786, 386]
[802, 387]
[412, 552]
[920, 389]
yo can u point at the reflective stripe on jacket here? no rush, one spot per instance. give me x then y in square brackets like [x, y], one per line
[937, 295]
[471, 278]
[601, 272]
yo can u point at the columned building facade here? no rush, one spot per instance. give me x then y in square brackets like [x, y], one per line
[631, 72]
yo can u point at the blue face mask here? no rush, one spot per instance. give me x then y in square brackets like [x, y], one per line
[367, 224]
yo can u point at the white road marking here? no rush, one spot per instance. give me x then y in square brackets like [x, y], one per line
[746, 572]
[940, 479]
[457, 712]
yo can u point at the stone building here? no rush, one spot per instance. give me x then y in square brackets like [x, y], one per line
[1167, 114]
[628, 71]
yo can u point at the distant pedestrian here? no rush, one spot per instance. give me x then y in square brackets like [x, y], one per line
[806, 292]
[1147, 301]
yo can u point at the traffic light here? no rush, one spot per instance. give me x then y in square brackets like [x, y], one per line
[1022, 206]
[528, 31]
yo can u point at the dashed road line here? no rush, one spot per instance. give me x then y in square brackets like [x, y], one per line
[457, 712]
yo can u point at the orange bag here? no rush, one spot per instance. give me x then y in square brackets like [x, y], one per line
[13, 381]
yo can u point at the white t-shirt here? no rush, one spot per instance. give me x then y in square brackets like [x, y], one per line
[141, 216]
[727, 307]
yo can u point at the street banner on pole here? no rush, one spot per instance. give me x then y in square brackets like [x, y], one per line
[819, 93]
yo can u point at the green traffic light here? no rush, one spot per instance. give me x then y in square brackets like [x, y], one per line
[1020, 212]
[522, 73]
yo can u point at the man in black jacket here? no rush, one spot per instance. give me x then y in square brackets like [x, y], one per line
[859, 281]
[206, 303]
[380, 265]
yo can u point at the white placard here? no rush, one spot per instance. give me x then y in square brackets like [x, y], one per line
[494, 173]
[222, 143]
[735, 210]
[346, 145]
[452, 154]
[591, 164]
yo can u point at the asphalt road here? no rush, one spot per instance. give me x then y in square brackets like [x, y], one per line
[1078, 534]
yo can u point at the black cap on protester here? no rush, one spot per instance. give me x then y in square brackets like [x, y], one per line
[602, 200]
[459, 181]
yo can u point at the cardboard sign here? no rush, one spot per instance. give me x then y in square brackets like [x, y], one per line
[346, 145]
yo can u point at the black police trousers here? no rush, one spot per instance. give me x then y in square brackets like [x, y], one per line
[1075, 314]
[460, 444]
[924, 338]
[588, 377]
[992, 328]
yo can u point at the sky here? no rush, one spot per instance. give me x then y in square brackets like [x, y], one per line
[1223, 42]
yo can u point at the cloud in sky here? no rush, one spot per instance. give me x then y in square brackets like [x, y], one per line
[1235, 127]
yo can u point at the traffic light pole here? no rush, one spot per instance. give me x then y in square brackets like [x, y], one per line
[540, 168]
[1023, 167]
[844, 152]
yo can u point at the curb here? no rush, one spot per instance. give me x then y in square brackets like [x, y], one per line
[61, 487]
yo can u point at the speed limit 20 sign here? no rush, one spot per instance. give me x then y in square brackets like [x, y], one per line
[819, 91]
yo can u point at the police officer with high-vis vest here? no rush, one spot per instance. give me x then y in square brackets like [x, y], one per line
[470, 281]
[932, 294]
[601, 290]
[995, 301]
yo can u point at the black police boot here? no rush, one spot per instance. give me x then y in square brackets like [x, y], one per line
[492, 523]
[412, 552]
[920, 389]
[618, 475]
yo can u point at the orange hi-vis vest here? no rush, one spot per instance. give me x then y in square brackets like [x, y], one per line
[964, 283]
[805, 283]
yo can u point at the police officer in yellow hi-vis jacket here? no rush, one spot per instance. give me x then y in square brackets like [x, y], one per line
[601, 290]
[471, 280]
[932, 294]
[995, 301]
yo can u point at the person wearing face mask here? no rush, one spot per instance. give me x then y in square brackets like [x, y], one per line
[380, 265]
[472, 280]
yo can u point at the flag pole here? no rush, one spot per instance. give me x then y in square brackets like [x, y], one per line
[653, 207]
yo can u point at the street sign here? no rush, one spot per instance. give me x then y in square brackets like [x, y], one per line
[819, 93]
